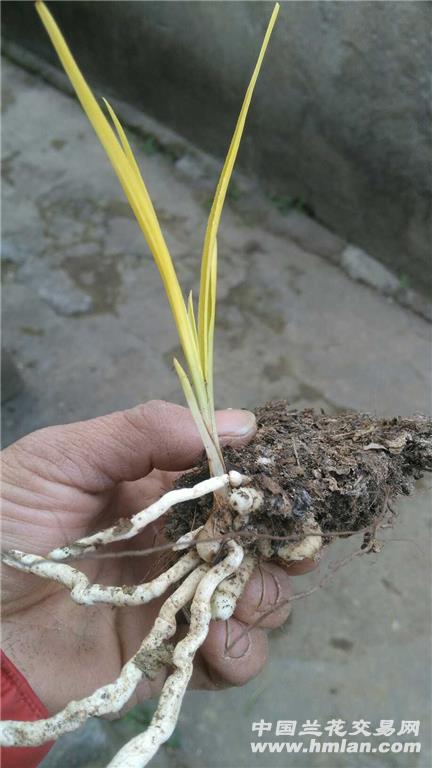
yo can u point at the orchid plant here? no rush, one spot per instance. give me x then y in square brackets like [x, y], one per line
[195, 330]
[210, 585]
[207, 580]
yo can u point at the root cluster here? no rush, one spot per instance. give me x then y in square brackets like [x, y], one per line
[305, 479]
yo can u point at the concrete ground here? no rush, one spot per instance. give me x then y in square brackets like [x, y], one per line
[87, 325]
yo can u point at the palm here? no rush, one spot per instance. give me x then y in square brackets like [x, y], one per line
[75, 631]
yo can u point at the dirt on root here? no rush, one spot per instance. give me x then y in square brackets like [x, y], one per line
[340, 472]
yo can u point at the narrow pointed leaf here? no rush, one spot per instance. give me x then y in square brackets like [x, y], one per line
[192, 321]
[126, 146]
[215, 461]
[221, 190]
[126, 168]
[208, 372]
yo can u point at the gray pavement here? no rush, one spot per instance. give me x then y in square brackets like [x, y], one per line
[86, 322]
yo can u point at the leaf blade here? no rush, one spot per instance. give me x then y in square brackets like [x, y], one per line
[127, 171]
[222, 186]
[215, 460]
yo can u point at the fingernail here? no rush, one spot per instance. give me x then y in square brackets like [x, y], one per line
[235, 423]
[237, 641]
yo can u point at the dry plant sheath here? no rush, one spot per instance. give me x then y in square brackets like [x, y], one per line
[305, 479]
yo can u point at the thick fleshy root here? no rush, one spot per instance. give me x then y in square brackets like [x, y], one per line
[127, 527]
[141, 749]
[242, 501]
[213, 590]
[82, 591]
[224, 598]
[111, 698]
[308, 548]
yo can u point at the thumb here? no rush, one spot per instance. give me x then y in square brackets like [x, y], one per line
[96, 454]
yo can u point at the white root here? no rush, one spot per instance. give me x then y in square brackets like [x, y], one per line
[138, 752]
[244, 501]
[127, 528]
[209, 547]
[225, 596]
[214, 592]
[85, 593]
[111, 698]
[184, 542]
[305, 550]
[308, 548]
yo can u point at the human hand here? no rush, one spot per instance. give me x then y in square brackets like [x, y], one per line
[59, 484]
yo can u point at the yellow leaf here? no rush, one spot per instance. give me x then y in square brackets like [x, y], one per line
[126, 168]
[221, 190]
[127, 148]
[192, 321]
[212, 450]
[211, 318]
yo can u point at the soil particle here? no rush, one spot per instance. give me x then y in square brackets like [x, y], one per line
[123, 526]
[340, 472]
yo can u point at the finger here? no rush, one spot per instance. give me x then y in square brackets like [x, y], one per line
[95, 455]
[132, 497]
[232, 654]
[266, 597]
